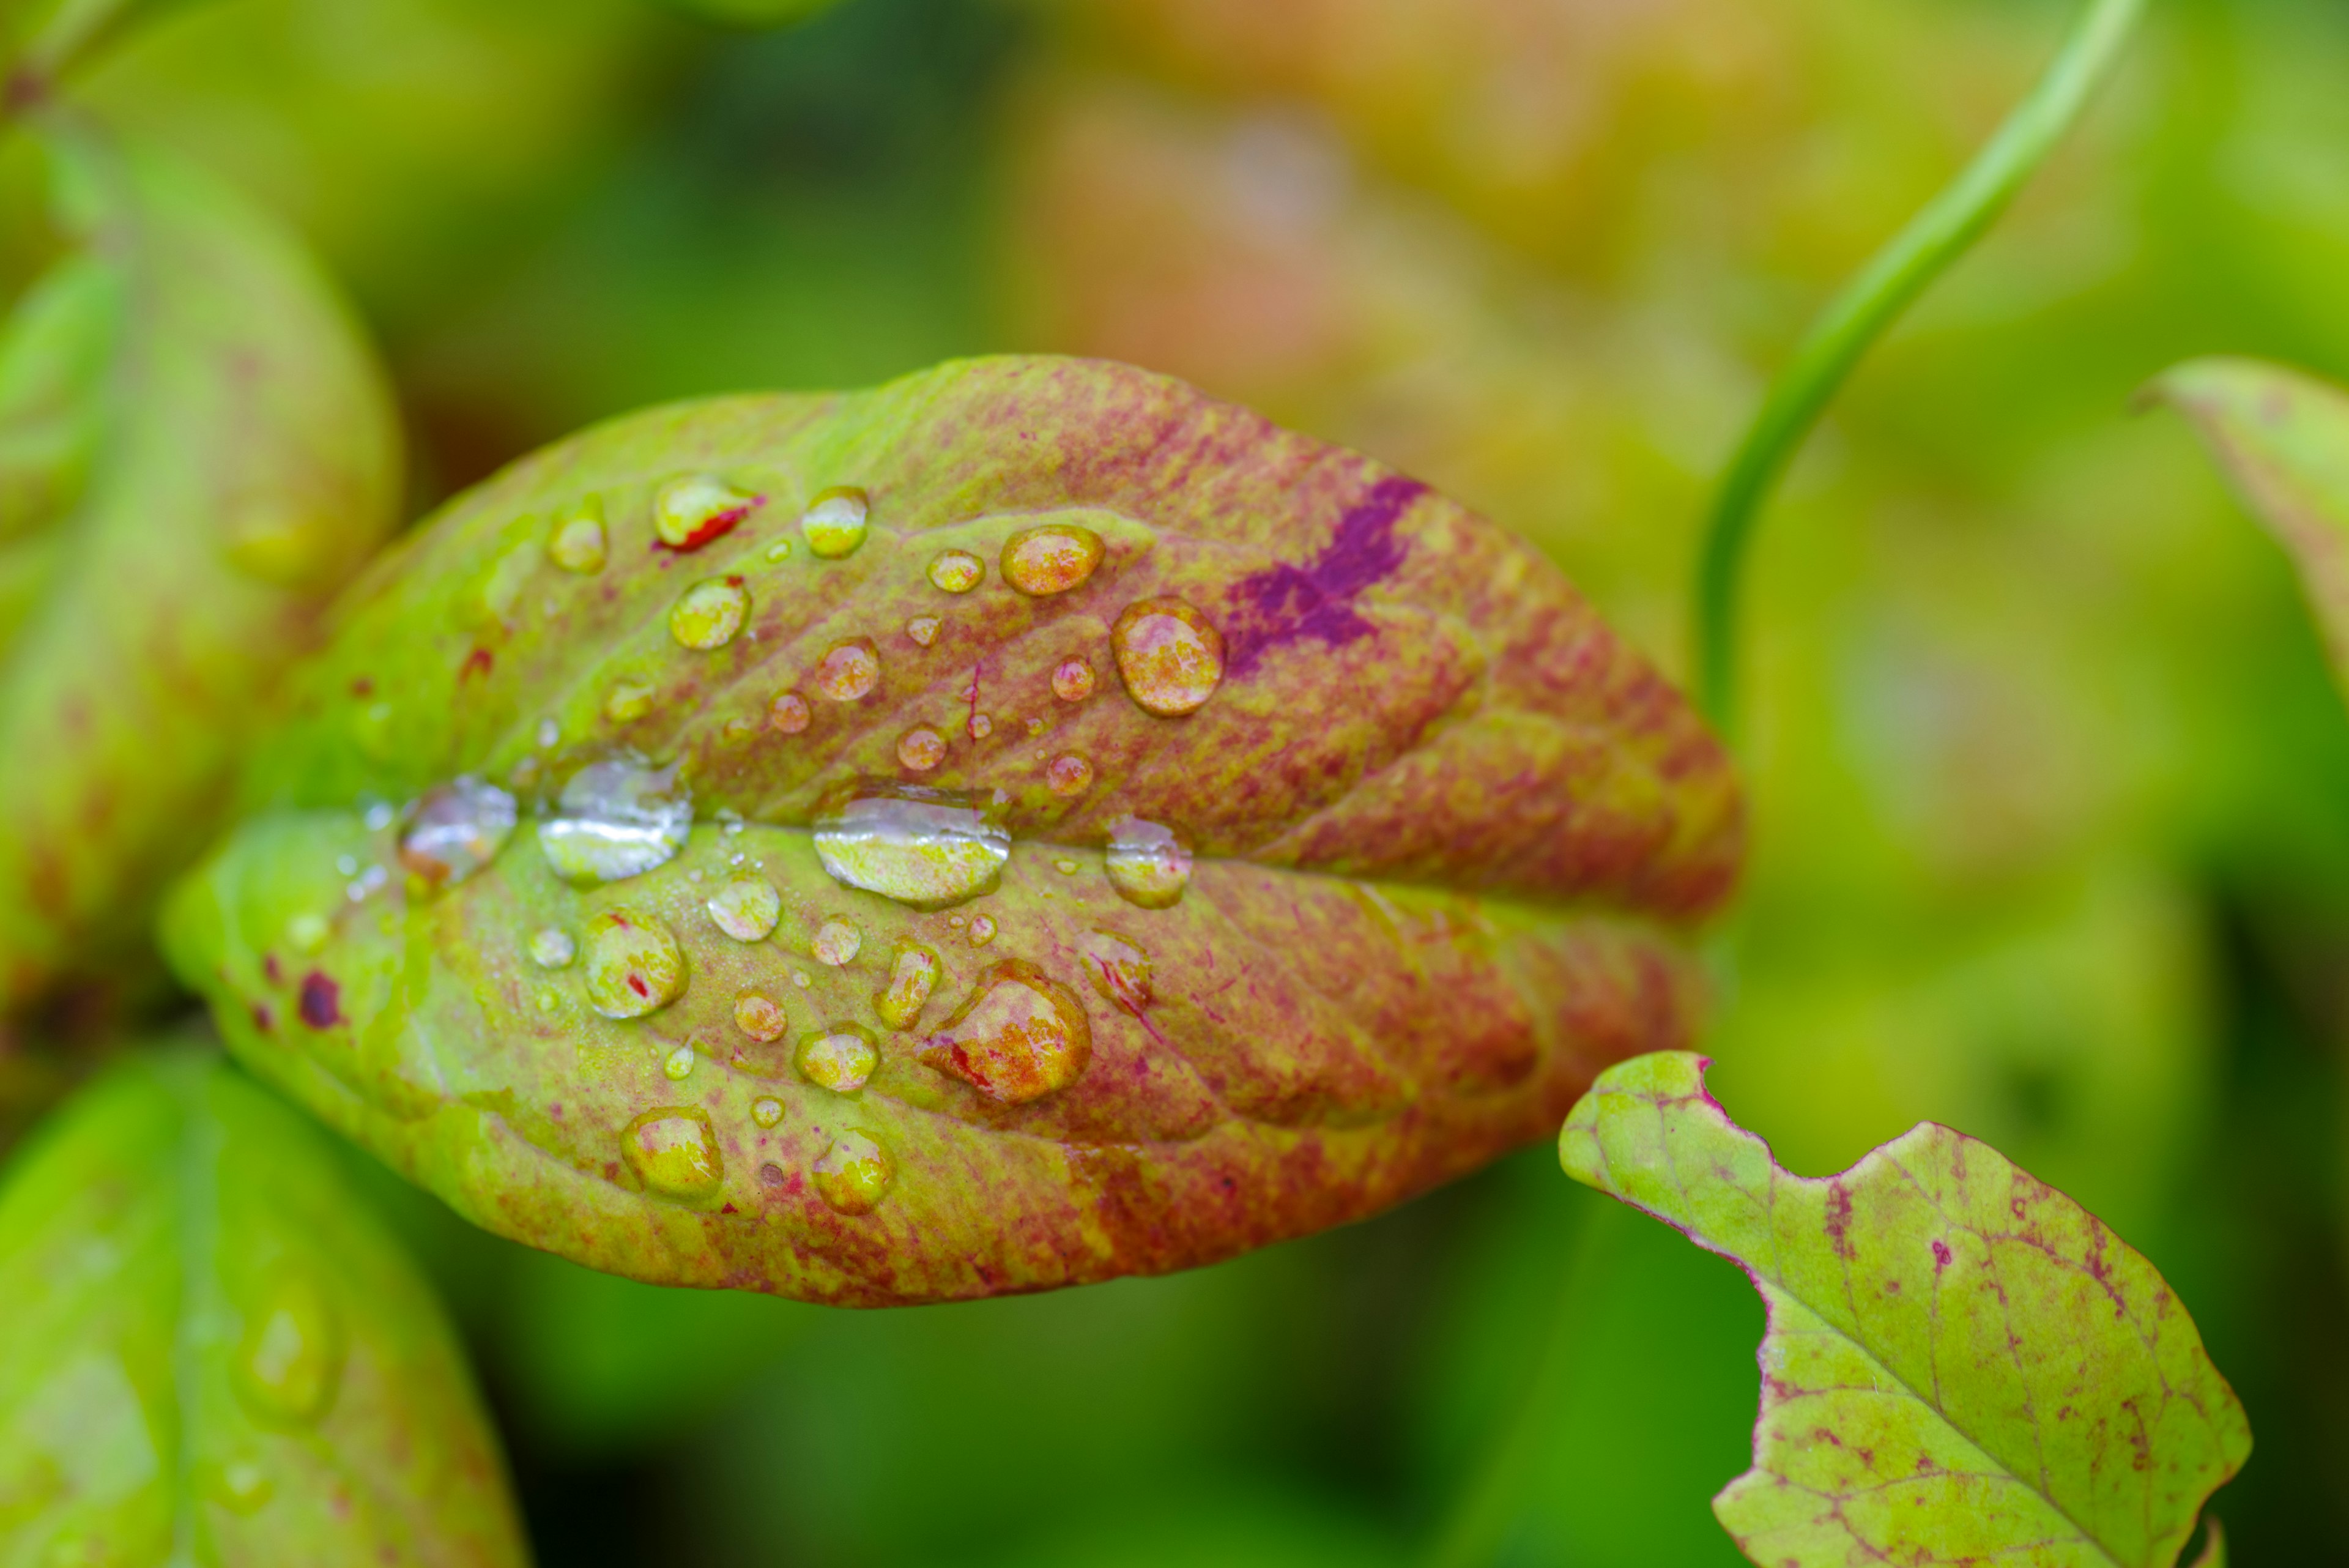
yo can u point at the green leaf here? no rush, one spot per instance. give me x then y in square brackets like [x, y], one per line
[1962, 1365]
[195, 448]
[40, 40]
[2282, 437]
[210, 1355]
[1448, 833]
[752, 12]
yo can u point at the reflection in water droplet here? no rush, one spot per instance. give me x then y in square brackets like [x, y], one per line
[1170, 658]
[788, 713]
[853, 1174]
[1070, 775]
[1118, 969]
[553, 949]
[913, 973]
[308, 933]
[456, 830]
[615, 819]
[835, 522]
[924, 629]
[923, 848]
[674, 1152]
[1073, 681]
[634, 965]
[690, 511]
[238, 1484]
[577, 542]
[1019, 1036]
[746, 907]
[839, 1059]
[1148, 864]
[679, 1064]
[629, 702]
[759, 1016]
[1050, 559]
[956, 571]
[921, 748]
[980, 726]
[767, 1112]
[847, 671]
[290, 1358]
[982, 930]
[837, 942]
[708, 614]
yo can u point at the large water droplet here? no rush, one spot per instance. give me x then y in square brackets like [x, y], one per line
[835, 522]
[1148, 864]
[789, 713]
[759, 1017]
[853, 1175]
[921, 748]
[1073, 681]
[746, 908]
[1050, 559]
[913, 974]
[456, 830]
[956, 571]
[674, 1152]
[615, 819]
[576, 543]
[847, 670]
[290, 1358]
[1069, 775]
[553, 949]
[1169, 656]
[709, 614]
[924, 847]
[633, 964]
[690, 511]
[1118, 969]
[837, 942]
[1019, 1036]
[839, 1059]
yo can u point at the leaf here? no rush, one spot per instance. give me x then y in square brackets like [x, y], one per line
[41, 39]
[210, 1353]
[1448, 830]
[195, 448]
[752, 12]
[2282, 437]
[1961, 1364]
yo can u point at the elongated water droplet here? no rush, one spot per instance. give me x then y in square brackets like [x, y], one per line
[1169, 656]
[633, 964]
[767, 1112]
[924, 847]
[956, 571]
[290, 1359]
[746, 907]
[688, 513]
[921, 748]
[840, 1058]
[924, 629]
[789, 713]
[1069, 775]
[553, 949]
[616, 819]
[847, 671]
[1117, 968]
[837, 942]
[913, 974]
[576, 543]
[674, 1152]
[678, 1065]
[1019, 1036]
[1147, 863]
[1073, 681]
[835, 522]
[709, 614]
[629, 701]
[759, 1017]
[853, 1175]
[455, 830]
[1050, 559]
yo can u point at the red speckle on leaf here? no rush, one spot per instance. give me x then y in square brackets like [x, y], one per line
[321, 1004]
[269, 969]
[1940, 1256]
[720, 524]
[637, 984]
[477, 662]
[363, 686]
[1838, 1218]
[262, 1019]
[1284, 603]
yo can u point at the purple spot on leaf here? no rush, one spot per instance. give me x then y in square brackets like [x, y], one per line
[321, 1001]
[1284, 603]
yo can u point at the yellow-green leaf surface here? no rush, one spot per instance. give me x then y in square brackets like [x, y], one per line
[1024, 824]
[195, 449]
[1962, 1365]
[210, 1353]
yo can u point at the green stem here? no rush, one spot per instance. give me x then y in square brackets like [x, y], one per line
[1870, 304]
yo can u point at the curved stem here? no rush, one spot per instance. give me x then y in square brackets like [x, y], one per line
[1870, 304]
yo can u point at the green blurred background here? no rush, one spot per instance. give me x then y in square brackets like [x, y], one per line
[2051, 791]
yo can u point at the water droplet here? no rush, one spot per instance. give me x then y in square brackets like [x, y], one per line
[1050, 559]
[956, 571]
[634, 965]
[924, 629]
[708, 614]
[674, 1152]
[551, 948]
[1073, 681]
[746, 908]
[853, 1174]
[1170, 658]
[847, 671]
[980, 726]
[913, 973]
[1065, 868]
[1019, 1036]
[238, 1484]
[837, 942]
[758, 1016]
[378, 816]
[679, 1064]
[738, 730]
[835, 522]
[578, 542]
[799, 978]
[921, 748]
[1118, 969]
[1148, 864]
[456, 830]
[1035, 726]
[308, 933]
[923, 848]
[788, 713]
[690, 511]
[616, 819]
[629, 702]
[767, 1112]
[1069, 775]
[549, 734]
[549, 1001]
[839, 1059]
[982, 930]
[290, 1358]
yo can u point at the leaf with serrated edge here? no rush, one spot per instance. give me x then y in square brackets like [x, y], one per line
[1961, 1365]
[1450, 834]
[210, 1353]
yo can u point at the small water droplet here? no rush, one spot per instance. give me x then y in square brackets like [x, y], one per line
[348, 865]
[841, 1058]
[308, 933]
[956, 571]
[1035, 726]
[853, 1174]
[982, 930]
[767, 1112]
[746, 908]
[688, 513]
[1118, 968]
[1147, 863]
[576, 543]
[738, 730]
[759, 1017]
[708, 615]
[924, 629]
[1065, 868]
[924, 847]
[674, 1152]
[847, 671]
[238, 1484]
[378, 816]
[1073, 681]
[835, 522]
[1169, 656]
[1069, 775]
[678, 1064]
[549, 734]
[553, 949]
[615, 819]
[1019, 1036]
[629, 701]
[549, 1001]
[781, 550]
[921, 748]
[980, 726]
[455, 830]
[1050, 559]
[913, 973]
[837, 942]
[290, 1359]
[633, 964]
[788, 713]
